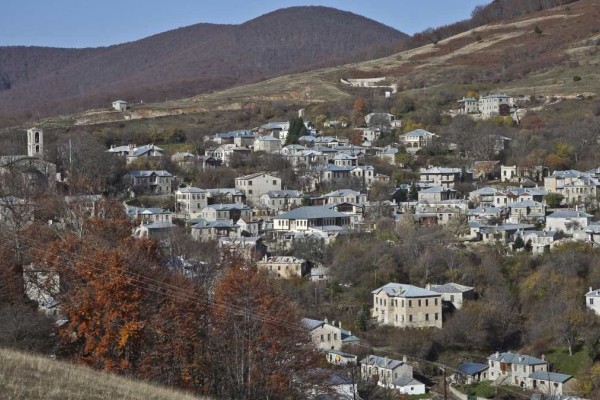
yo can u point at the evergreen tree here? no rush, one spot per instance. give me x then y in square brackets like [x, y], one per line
[296, 130]
[413, 193]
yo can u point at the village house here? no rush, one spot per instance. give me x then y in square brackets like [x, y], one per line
[154, 230]
[592, 300]
[483, 197]
[518, 174]
[486, 170]
[247, 248]
[416, 140]
[388, 154]
[369, 135]
[439, 176]
[495, 105]
[328, 336]
[131, 152]
[242, 138]
[284, 266]
[568, 221]
[257, 184]
[119, 105]
[468, 105]
[156, 182]
[502, 234]
[221, 212]
[190, 201]
[453, 293]
[592, 233]
[407, 306]
[150, 215]
[526, 372]
[345, 196]
[470, 373]
[268, 144]
[345, 160]
[278, 200]
[436, 194]
[507, 197]
[185, 160]
[337, 357]
[392, 374]
[225, 195]
[310, 218]
[214, 230]
[225, 153]
[527, 211]
[539, 241]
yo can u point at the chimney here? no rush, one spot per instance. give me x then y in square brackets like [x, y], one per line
[591, 289]
[520, 358]
[428, 286]
[385, 360]
[405, 359]
[497, 354]
[543, 357]
[325, 320]
[340, 324]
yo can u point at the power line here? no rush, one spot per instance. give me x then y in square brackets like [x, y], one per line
[176, 292]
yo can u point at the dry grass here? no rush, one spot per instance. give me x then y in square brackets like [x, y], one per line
[29, 377]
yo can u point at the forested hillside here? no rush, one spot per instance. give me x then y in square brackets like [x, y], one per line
[186, 61]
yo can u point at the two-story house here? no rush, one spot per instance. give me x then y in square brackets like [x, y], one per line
[190, 201]
[416, 140]
[255, 185]
[514, 368]
[158, 182]
[453, 293]
[284, 266]
[277, 200]
[310, 218]
[439, 176]
[407, 306]
[328, 336]
[392, 374]
[220, 212]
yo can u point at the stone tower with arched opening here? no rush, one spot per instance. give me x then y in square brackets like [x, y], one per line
[35, 142]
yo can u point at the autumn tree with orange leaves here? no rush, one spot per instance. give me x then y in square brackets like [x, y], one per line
[258, 348]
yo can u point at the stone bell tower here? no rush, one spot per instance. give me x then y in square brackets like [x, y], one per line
[35, 142]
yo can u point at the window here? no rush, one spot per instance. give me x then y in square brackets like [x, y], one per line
[591, 301]
[426, 317]
[410, 318]
[436, 302]
[419, 302]
[436, 316]
[322, 338]
[410, 303]
[329, 337]
[335, 336]
[452, 298]
[249, 183]
[426, 302]
[524, 368]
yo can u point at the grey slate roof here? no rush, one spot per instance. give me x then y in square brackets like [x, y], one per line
[402, 290]
[569, 214]
[550, 376]
[405, 381]
[417, 132]
[147, 173]
[471, 368]
[381, 362]
[514, 358]
[310, 212]
[450, 287]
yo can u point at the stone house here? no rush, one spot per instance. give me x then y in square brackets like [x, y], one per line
[310, 218]
[157, 182]
[592, 300]
[407, 306]
[453, 293]
[277, 200]
[268, 144]
[384, 369]
[284, 266]
[190, 201]
[436, 194]
[257, 184]
[416, 140]
[568, 221]
[439, 176]
[328, 336]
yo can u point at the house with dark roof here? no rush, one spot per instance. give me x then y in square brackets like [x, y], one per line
[470, 373]
[328, 336]
[453, 293]
[416, 140]
[513, 368]
[407, 306]
[568, 221]
[440, 176]
[276, 200]
[158, 182]
[310, 218]
[257, 184]
[550, 383]
[391, 374]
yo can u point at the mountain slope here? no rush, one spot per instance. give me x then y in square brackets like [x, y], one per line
[24, 376]
[185, 61]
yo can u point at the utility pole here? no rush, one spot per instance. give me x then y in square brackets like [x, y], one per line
[445, 388]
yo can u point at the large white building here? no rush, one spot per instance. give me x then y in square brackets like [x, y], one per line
[190, 201]
[407, 306]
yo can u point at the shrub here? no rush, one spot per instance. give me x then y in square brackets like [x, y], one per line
[576, 78]
[537, 30]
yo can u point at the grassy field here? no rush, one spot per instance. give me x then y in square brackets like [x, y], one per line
[28, 377]
[571, 365]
